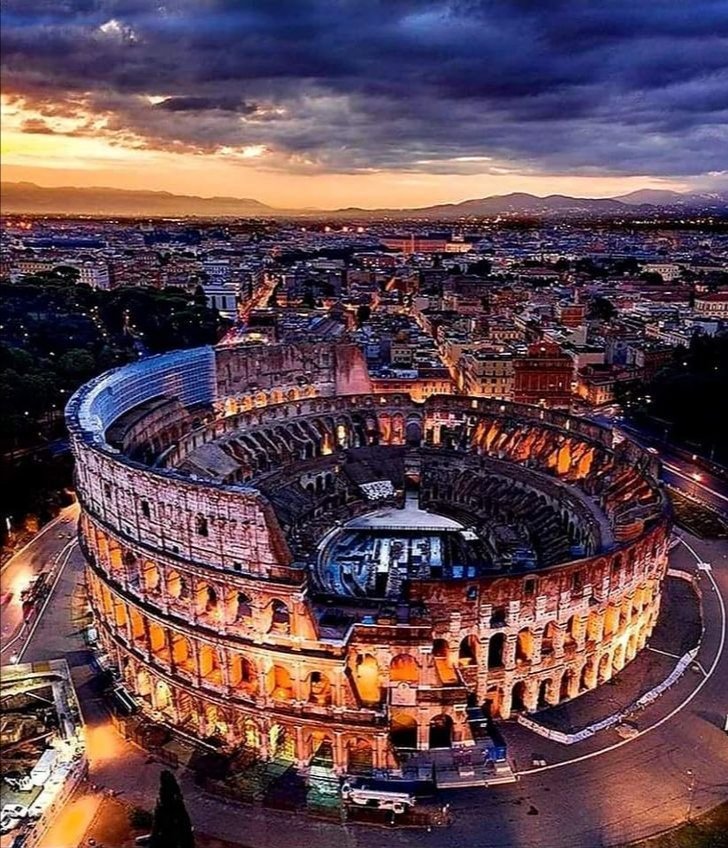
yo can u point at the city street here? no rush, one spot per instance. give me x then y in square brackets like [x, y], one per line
[45, 553]
[602, 792]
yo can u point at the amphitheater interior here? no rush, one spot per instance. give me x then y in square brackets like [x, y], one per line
[287, 562]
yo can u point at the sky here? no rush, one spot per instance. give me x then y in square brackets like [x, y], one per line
[332, 103]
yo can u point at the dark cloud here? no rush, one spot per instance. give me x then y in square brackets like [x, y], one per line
[560, 86]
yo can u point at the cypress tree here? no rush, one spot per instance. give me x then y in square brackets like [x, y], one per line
[171, 827]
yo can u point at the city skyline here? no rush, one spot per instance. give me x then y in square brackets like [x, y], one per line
[404, 105]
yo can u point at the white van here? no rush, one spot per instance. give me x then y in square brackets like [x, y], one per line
[363, 795]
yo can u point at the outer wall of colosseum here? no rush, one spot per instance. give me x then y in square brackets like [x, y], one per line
[213, 621]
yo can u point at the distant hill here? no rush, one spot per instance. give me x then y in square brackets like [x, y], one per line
[28, 198]
[69, 200]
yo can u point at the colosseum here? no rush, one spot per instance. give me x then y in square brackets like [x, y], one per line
[283, 560]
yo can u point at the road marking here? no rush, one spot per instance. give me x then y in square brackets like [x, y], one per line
[664, 653]
[68, 550]
[672, 713]
[59, 518]
[674, 470]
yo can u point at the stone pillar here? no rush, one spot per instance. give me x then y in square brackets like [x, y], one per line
[509, 651]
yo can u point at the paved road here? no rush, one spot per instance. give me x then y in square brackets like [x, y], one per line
[630, 791]
[44, 553]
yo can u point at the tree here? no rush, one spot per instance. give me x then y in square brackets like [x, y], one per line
[171, 827]
[601, 309]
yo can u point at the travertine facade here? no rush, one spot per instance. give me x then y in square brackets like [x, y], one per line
[204, 561]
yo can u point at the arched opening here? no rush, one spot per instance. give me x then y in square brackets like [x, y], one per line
[548, 640]
[403, 669]
[359, 756]
[524, 646]
[321, 748]
[243, 676]
[543, 693]
[441, 660]
[413, 434]
[243, 608]
[565, 688]
[319, 688]
[496, 647]
[150, 577]
[518, 696]
[493, 702]
[604, 671]
[611, 621]
[468, 651]
[211, 603]
[281, 743]
[441, 731]
[175, 584]
[403, 731]
[144, 685]
[158, 641]
[280, 618]
[572, 631]
[280, 684]
[201, 526]
[182, 655]
[366, 679]
[210, 668]
[163, 698]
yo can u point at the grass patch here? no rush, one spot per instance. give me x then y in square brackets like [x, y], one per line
[708, 831]
[697, 518]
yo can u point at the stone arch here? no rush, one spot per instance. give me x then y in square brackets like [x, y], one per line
[280, 621]
[468, 651]
[631, 648]
[493, 704]
[151, 577]
[544, 693]
[243, 608]
[611, 620]
[403, 730]
[280, 684]
[183, 656]
[404, 669]
[524, 646]
[366, 679]
[177, 586]
[210, 665]
[548, 640]
[518, 696]
[163, 699]
[320, 749]
[144, 684]
[604, 669]
[243, 674]
[319, 689]
[440, 731]
[566, 686]
[496, 650]
[359, 756]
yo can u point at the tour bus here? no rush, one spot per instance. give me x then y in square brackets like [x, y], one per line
[370, 795]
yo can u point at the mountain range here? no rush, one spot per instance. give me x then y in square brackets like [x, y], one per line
[29, 198]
